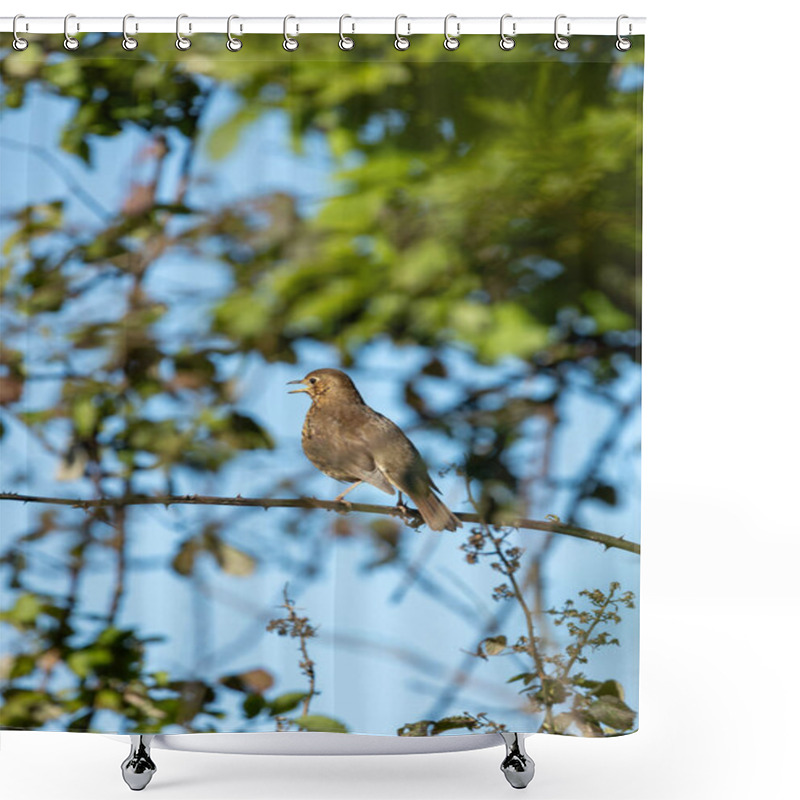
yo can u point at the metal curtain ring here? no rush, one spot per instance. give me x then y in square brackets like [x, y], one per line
[451, 42]
[289, 43]
[507, 42]
[18, 44]
[233, 44]
[128, 42]
[400, 42]
[181, 42]
[345, 42]
[560, 43]
[623, 44]
[70, 42]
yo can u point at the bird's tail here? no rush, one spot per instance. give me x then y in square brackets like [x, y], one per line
[437, 516]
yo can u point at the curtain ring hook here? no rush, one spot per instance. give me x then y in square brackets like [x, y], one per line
[181, 42]
[451, 42]
[560, 43]
[401, 42]
[346, 42]
[622, 44]
[19, 44]
[233, 44]
[70, 42]
[507, 42]
[289, 44]
[128, 42]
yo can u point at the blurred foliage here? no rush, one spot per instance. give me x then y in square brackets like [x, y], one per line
[485, 204]
[297, 626]
[106, 673]
[590, 707]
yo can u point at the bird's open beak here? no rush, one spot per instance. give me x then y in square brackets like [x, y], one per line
[304, 390]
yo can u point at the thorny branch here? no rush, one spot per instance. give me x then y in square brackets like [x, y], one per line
[410, 516]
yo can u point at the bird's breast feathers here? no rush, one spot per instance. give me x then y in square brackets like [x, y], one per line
[332, 444]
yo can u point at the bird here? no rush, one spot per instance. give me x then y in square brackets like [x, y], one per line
[349, 441]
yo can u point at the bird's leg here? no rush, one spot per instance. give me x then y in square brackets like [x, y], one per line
[406, 514]
[340, 497]
[404, 509]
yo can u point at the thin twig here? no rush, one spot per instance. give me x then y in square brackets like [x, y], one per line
[299, 628]
[587, 634]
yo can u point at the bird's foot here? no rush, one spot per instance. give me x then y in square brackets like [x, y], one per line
[346, 503]
[408, 515]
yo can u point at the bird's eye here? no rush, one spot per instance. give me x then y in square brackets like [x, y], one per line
[312, 380]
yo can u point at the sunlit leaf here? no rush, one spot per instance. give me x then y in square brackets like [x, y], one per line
[494, 645]
[254, 680]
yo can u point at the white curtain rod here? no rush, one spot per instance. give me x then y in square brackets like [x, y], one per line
[457, 26]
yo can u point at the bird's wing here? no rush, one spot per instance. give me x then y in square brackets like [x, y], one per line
[347, 446]
[396, 457]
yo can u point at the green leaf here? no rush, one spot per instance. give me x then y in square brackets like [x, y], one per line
[23, 664]
[244, 433]
[161, 678]
[107, 698]
[498, 330]
[84, 662]
[316, 722]
[253, 705]
[610, 688]
[579, 679]
[613, 712]
[286, 702]
[452, 723]
[242, 315]
[25, 611]
[552, 692]
[28, 709]
[607, 317]
[420, 728]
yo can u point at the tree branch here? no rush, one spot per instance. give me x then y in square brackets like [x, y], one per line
[409, 516]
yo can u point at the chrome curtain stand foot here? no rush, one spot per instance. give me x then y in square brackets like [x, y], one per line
[138, 768]
[517, 766]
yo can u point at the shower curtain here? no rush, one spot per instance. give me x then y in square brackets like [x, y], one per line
[186, 233]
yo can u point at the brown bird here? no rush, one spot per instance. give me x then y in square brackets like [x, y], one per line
[347, 440]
